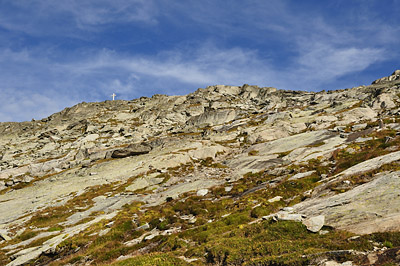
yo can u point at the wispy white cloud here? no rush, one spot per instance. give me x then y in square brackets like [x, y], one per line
[205, 64]
[89, 13]
[23, 105]
[322, 63]
[69, 17]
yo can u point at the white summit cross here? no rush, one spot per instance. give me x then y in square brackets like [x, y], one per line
[113, 95]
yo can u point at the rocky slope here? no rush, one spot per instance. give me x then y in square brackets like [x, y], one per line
[225, 176]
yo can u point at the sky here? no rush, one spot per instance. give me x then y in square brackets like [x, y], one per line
[55, 54]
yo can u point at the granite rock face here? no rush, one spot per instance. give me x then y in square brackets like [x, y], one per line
[395, 76]
[93, 160]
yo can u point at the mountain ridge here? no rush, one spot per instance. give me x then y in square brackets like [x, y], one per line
[321, 163]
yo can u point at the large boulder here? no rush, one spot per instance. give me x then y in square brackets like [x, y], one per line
[132, 150]
[314, 224]
[356, 115]
[384, 101]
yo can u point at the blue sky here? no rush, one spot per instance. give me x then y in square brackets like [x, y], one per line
[54, 54]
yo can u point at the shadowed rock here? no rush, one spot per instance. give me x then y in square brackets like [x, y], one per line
[131, 150]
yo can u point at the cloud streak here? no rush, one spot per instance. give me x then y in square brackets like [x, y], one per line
[73, 18]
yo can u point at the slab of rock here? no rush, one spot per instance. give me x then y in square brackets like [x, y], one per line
[268, 134]
[50, 245]
[4, 236]
[292, 142]
[301, 175]
[334, 263]
[314, 224]
[204, 152]
[131, 150]
[356, 115]
[368, 208]
[362, 167]
[330, 263]
[144, 182]
[372, 164]
[30, 240]
[213, 117]
[287, 216]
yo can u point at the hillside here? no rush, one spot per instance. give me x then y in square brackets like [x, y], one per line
[222, 176]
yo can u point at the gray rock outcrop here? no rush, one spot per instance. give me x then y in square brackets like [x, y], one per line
[131, 150]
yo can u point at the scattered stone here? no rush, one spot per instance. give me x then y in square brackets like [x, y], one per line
[104, 232]
[228, 189]
[330, 263]
[188, 259]
[359, 127]
[353, 238]
[202, 192]
[372, 258]
[143, 227]
[109, 224]
[153, 234]
[323, 232]
[275, 199]
[339, 129]
[27, 179]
